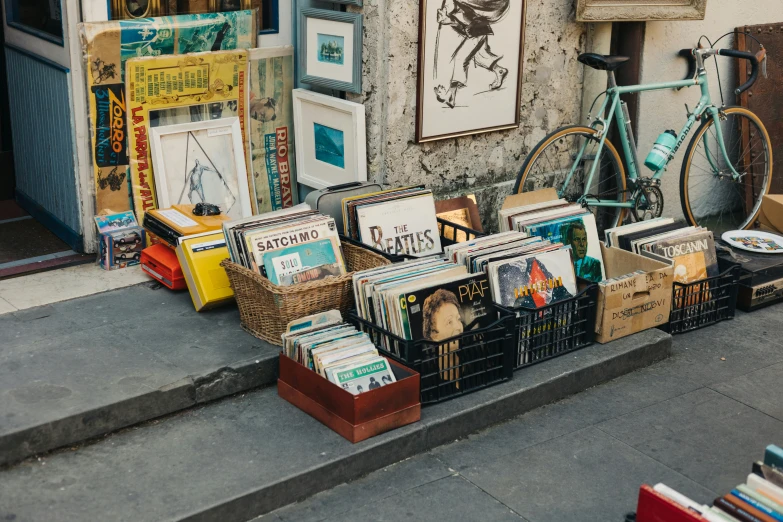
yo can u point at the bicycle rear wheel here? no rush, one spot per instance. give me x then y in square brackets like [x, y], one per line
[551, 160]
[709, 194]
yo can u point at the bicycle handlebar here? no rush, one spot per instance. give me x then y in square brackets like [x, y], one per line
[754, 62]
[688, 54]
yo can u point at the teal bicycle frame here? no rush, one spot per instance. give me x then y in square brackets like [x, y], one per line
[612, 97]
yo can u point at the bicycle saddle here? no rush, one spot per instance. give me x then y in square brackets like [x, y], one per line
[602, 62]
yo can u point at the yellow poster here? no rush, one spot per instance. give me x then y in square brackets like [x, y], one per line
[107, 46]
[167, 90]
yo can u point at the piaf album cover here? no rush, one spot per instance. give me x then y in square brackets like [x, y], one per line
[440, 313]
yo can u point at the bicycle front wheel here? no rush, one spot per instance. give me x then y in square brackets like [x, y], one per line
[575, 149]
[710, 195]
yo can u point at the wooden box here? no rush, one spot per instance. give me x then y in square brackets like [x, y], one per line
[355, 417]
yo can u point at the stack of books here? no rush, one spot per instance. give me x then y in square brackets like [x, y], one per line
[759, 499]
[561, 222]
[398, 221]
[288, 247]
[339, 353]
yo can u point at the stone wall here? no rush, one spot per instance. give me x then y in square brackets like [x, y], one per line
[483, 164]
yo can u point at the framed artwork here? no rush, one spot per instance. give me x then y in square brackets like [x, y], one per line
[639, 10]
[330, 49]
[201, 162]
[331, 140]
[470, 67]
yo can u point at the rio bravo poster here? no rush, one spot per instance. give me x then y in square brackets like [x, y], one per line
[106, 48]
[271, 122]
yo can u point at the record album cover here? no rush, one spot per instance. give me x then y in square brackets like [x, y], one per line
[440, 313]
[534, 281]
[581, 233]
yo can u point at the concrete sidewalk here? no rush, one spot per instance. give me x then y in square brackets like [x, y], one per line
[696, 421]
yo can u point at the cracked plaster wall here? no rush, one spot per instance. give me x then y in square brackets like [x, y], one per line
[483, 164]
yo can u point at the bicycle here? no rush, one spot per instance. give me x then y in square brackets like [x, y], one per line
[722, 181]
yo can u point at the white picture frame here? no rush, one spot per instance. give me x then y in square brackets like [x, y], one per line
[331, 139]
[202, 161]
[469, 69]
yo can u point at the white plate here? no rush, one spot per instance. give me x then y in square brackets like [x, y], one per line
[754, 241]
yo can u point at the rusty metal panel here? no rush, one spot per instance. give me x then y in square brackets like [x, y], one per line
[765, 98]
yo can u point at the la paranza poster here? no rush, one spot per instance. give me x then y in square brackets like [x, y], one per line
[106, 48]
[177, 88]
[273, 164]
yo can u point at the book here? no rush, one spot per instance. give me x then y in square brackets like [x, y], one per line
[773, 456]
[772, 475]
[533, 281]
[402, 226]
[581, 233]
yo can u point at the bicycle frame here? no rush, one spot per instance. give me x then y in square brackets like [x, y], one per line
[612, 100]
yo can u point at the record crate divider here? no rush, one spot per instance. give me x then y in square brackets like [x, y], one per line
[556, 329]
[265, 309]
[705, 302]
[469, 362]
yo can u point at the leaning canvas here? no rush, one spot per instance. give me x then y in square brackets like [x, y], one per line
[106, 48]
[273, 164]
[214, 84]
[202, 162]
[470, 67]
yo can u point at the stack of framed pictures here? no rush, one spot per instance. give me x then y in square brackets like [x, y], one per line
[330, 132]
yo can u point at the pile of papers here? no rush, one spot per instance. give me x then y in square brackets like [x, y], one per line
[341, 354]
[288, 247]
[397, 221]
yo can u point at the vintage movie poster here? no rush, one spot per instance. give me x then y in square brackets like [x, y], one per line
[271, 122]
[207, 84]
[106, 48]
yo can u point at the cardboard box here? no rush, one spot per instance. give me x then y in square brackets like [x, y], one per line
[634, 303]
[355, 417]
[771, 215]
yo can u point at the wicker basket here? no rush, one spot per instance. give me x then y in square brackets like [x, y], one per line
[266, 309]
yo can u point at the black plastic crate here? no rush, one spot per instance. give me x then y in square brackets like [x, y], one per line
[556, 329]
[472, 361]
[706, 302]
[451, 233]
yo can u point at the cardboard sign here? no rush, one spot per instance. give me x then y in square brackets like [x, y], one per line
[636, 302]
[771, 215]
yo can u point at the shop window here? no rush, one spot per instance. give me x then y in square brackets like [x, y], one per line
[42, 18]
[270, 20]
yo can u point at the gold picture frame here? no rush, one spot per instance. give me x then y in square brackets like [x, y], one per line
[129, 9]
[639, 10]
